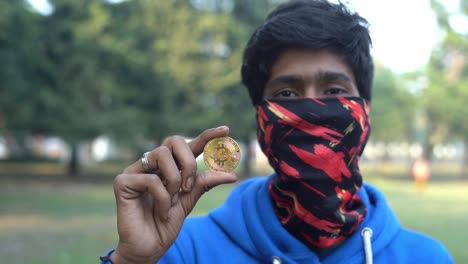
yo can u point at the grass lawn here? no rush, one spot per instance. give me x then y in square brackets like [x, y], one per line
[60, 222]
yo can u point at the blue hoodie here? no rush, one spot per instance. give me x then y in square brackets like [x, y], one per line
[245, 230]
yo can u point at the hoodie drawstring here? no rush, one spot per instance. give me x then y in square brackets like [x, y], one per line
[366, 234]
[276, 260]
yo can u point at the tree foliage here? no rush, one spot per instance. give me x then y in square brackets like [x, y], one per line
[392, 107]
[448, 73]
[446, 95]
[141, 70]
[135, 70]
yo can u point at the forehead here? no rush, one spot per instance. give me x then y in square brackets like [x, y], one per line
[306, 62]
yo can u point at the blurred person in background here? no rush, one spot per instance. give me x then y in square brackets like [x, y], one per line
[309, 73]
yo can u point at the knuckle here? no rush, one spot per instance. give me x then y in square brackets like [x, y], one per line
[154, 180]
[178, 138]
[162, 151]
[171, 139]
[119, 180]
[166, 140]
[188, 160]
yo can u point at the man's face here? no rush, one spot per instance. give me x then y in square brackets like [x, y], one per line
[302, 73]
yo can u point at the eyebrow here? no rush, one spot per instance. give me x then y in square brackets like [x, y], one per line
[329, 76]
[285, 79]
[323, 76]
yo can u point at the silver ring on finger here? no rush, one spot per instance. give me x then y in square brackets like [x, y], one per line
[145, 162]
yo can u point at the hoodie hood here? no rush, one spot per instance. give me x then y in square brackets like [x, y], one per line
[248, 218]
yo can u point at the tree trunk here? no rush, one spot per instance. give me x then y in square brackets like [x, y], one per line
[428, 149]
[73, 165]
[247, 168]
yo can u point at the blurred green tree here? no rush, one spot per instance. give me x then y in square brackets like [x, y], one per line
[447, 93]
[19, 32]
[138, 70]
[392, 107]
[133, 70]
[82, 95]
[199, 49]
[195, 54]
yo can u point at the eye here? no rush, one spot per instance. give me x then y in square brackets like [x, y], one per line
[285, 94]
[335, 91]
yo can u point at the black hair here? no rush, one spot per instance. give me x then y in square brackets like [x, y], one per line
[309, 24]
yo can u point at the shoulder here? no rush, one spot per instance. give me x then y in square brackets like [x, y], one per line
[254, 181]
[414, 239]
[396, 242]
[246, 188]
[419, 248]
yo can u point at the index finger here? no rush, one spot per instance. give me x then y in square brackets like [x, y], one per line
[196, 146]
[199, 142]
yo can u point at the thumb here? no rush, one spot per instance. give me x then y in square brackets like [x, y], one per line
[204, 181]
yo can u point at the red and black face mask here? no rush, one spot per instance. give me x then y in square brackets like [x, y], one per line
[314, 146]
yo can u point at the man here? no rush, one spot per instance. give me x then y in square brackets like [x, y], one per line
[309, 73]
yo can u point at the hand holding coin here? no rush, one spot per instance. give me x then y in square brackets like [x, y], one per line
[222, 154]
[155, 194]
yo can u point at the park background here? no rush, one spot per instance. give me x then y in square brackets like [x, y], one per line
[87, 86]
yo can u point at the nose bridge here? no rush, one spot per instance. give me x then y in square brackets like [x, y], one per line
[311, 90]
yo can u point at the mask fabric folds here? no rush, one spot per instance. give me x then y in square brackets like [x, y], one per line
[314, 146]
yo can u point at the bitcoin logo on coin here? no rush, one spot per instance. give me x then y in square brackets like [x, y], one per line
[222, 154]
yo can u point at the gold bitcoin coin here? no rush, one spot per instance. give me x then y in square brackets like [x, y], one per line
[222, 154]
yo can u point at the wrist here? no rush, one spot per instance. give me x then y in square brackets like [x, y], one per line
[106, 259]
[118, 258]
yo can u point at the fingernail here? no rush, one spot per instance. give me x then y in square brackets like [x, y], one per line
[188, 184]
[221, 127]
